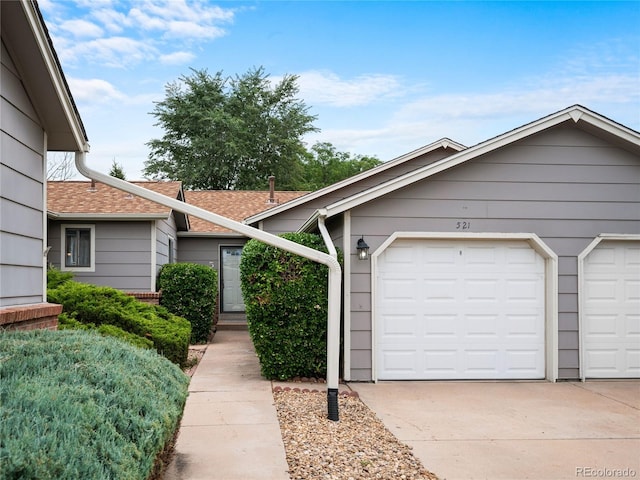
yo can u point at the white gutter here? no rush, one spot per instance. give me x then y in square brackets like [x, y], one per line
[335, 274]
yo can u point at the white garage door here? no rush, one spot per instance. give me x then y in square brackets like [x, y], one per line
[611, 317]
[460, 309]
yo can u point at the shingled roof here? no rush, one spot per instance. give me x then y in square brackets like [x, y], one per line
[236, 205]
[84, 199]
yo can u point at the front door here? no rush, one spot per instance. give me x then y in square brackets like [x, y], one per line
[232, 300]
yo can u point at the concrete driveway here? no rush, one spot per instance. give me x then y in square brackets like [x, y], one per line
[514, 430]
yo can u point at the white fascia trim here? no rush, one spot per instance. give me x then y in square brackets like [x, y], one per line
[346, 295]
[55, 74]
[581, 286]
[442, 143]
[551, 286]
[45, 220]
[575, 113]
[154, 255]
[101, 217]
[211, 235]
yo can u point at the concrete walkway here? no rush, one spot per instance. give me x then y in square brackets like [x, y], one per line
[229, 430]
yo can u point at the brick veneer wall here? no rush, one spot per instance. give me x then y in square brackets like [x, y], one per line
[30, 317]
[147, 297]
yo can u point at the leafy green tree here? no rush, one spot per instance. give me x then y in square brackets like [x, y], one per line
[230, 133]
[117, 171]
[324, 166]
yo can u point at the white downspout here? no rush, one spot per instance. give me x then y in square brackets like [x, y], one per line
[333, 326]
[333, 320]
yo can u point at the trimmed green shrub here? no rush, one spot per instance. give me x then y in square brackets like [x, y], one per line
[286, 303]
[189, 290]
[55, 277]
[97, 306]
[67, 323]
[74, 405]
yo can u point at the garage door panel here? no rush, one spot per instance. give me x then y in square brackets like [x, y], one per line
[611, 315]
[520, 290]
[397, 327]
[479, 311]
[632, 326]
[632, 291]
[400, 362]
[525, 363]
[523, 325]
[441, 326]
[440, 363]
[440, 289]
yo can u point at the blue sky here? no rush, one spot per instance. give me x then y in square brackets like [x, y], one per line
[383, 77]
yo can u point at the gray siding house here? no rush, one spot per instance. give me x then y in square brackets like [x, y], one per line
[517, 258]
[38, 115]
[108, 237]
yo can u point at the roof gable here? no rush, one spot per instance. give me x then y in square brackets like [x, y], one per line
[442, 144]
[576, 115]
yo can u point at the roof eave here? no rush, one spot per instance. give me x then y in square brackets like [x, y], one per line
[211, 235]
[101, 217]
[38, 64]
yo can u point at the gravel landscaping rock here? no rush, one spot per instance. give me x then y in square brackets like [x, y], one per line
[357, 447]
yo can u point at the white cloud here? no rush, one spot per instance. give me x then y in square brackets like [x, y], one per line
[112, 20]
[186, 29]
[116, 52]
[81, 28]
[327, 88]
[94, 90]
[177, 19]
[176, 58]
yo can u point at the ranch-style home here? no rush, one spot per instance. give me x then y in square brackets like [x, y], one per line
[517, 258]
[108, 237]
[38, 115]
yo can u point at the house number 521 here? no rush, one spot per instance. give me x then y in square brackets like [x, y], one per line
[463, 225]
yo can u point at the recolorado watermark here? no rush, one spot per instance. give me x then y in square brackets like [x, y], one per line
[605, 472]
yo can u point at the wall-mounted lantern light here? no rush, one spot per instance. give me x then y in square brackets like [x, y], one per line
[363, 249]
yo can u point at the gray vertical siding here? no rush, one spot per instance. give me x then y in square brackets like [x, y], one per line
[21, 192]
[123, 254]
[565, 185]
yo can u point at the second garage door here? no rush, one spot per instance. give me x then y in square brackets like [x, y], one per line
[460, 309]
[611, 317]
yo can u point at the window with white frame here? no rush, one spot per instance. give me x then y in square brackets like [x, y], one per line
[78, 248]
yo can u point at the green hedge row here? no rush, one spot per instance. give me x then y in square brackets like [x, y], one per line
[77, 405]
[115, 313]
[286, 304]
[189, 290]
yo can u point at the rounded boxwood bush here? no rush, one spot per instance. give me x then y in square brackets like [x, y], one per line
[189, 290]
[286, 304]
